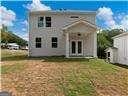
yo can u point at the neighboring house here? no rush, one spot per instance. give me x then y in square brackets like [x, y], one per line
[3, 45]
[24, 47]
[12, 46]
[68, 33]
[119, 52]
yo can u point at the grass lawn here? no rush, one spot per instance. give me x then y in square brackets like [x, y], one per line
[57, 76]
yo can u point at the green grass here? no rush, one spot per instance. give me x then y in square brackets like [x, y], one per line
[10, 55]
[78, 81]
[77, 85]
[6, 69]
[81, 81]
[77, 77]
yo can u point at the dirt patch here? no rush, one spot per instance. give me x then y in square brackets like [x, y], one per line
[111, 84]
[38, 78]
[41, 78]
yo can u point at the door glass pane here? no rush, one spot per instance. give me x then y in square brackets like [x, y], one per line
[73, 47]
[79, 47]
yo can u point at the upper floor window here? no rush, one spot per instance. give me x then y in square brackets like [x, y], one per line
[44, 21]
[38, 42]
[54, 42]
[48, 21]
[40, 21]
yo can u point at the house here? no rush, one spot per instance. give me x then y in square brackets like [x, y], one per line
[3, 45]
[24, 47]
[12, 46]
[63, 32]
[119, 52]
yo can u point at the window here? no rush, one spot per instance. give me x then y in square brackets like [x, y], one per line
[108, 54]
[54, 42]
[48, 21]
[38, 42]
[40, 21]
[44, 23]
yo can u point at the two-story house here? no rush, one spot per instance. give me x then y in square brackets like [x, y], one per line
[65, 32]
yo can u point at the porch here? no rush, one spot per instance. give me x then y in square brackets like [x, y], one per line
[80, 40]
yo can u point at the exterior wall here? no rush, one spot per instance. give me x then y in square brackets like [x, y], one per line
[115, 55]
[58, 22]
[87, 40]
[95, 45]
[111, 55]
[122, 44]
[88, 36]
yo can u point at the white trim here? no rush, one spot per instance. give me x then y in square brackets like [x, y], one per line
[44, 21]
[76, 54]
[67, 45]
[71, 48]
[95, 45]
[120, 35]
[86, 57]
[78, 22]
[81, 49]
[63, 12]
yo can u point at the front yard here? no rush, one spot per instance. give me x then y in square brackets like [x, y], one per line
[57, 76]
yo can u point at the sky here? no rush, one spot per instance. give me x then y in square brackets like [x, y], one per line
[110, 14]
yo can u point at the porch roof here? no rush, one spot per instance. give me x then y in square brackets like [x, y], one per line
[79, 22]
[114, 48]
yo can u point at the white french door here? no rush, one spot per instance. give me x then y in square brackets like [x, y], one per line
[77, 47]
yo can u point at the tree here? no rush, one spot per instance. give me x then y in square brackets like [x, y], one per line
[9, 37]
[104, 40]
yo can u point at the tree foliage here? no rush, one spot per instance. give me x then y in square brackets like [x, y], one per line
[9, 37]
[104, 40]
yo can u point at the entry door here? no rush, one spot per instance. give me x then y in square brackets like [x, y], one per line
[76, 47]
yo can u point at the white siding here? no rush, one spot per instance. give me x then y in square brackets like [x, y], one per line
[113, 55]
[58, 22]
[122, 44]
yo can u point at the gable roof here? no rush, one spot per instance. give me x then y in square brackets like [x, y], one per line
[78, 22]
[120, 35]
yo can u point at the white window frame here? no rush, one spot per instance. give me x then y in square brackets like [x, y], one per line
[54, 42]
[48, 21]
[76, 51]
[38, 42]
[40, 21]
[44, 22]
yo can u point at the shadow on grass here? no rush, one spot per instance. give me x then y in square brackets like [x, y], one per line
[62, 59]
[121, 65]
[15, 58]
[44, 59]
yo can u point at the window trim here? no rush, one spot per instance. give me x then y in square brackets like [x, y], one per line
[41, 22]
[54, 42]
[44, 22]
[48, 21]
[39, 42]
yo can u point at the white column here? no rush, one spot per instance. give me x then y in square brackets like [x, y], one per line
[95, 44]
[67, 44]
